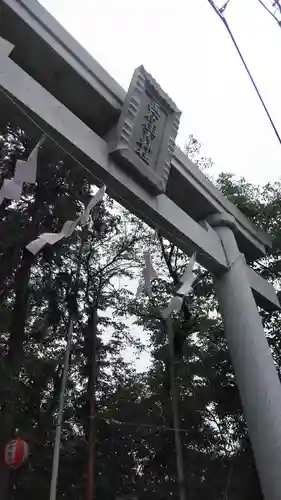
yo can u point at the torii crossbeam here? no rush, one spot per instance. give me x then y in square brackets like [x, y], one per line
[126, 141]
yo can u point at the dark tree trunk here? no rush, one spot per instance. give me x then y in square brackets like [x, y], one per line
[9, 394]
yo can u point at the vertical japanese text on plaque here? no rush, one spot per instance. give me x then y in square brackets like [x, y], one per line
[144, 144]
[144, 139]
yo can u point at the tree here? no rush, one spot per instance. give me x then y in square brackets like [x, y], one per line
[97, 268]
[211, 411]
[34, 313]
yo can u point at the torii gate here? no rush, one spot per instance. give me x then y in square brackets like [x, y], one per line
[127, 143]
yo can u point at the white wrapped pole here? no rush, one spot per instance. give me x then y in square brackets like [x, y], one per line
[56, 455]
[175, 306]
[175, 411]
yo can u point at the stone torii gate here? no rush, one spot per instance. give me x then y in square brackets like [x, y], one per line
[127, 141]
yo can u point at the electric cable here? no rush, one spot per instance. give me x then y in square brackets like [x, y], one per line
[218, 12]
[271, 13]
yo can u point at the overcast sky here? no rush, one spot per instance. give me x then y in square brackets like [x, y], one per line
[185, 46]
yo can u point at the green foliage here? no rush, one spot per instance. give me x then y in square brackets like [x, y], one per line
[134, 445]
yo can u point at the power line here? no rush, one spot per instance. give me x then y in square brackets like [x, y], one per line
[222, 9]
[273, 14]
[276, 4]
[218, 12]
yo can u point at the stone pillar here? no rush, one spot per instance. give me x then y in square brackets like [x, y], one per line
[256, 376]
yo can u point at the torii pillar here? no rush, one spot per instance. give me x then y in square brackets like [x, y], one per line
[256, 375]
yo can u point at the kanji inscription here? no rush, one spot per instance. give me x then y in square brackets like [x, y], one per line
[144, 139]
[144, 144]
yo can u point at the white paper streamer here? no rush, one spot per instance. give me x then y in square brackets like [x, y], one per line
[10, 190]
[25, 171]
[149, 274]
[36, 245]
[189, 269]
[5, 47]
[94, 201]
[187, 281]
[69, 226]
[174, 306]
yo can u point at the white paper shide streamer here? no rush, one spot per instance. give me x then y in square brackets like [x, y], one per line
[25, 171]
[149, 274]
[187, 281]
[69, 226]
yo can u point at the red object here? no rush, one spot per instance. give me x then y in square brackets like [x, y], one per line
[15, 453]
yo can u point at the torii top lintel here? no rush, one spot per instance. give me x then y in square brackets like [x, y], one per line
[53, 58]
[79, 104]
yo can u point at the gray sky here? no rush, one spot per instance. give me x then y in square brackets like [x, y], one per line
[184, 45]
